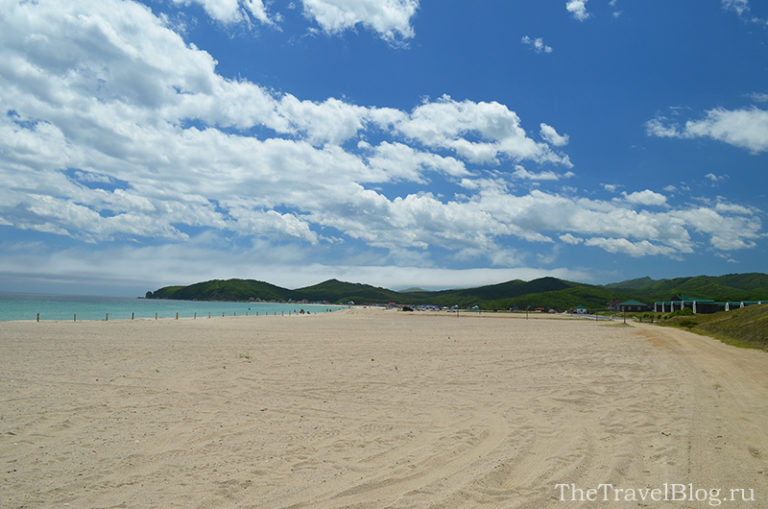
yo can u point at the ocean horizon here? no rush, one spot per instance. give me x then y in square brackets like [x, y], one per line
[27, 306]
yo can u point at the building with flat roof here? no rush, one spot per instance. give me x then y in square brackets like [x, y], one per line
[631, 306]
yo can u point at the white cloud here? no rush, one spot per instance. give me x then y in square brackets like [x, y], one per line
[570, 239]
[745, 128]
[578, 8]
[634, 249]
[742, 9]
[646, 197]
[521, 173]
[390, 18]
[397, 160]
[232, 11]
[616, 13]
[739, 6]
[726, 232]
[536, 44]
[611, 188]
[715, 178]
[445, 122]
[105, 138]
[257, 10]
[657, 127]
[731, 208]
[550, 135]
[741, 128]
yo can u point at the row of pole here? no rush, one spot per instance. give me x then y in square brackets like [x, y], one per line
[194, 317]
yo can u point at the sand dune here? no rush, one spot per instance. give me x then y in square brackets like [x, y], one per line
[370, 408]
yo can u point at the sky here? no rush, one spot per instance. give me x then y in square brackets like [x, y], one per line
[399, 143]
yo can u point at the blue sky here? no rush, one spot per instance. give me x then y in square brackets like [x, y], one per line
[393, 142]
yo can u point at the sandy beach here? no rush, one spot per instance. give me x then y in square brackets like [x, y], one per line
[369, 408]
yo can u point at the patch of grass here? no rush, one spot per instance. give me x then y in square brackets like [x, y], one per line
[746, 328]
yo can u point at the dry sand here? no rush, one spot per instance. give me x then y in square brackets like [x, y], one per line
[371, 408]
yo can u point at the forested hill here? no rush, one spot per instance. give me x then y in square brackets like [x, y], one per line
[546, 292]
[752, 286]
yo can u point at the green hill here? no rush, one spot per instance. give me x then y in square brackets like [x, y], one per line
[229, 290]
[334, 290]
[752, 286]
[642, 283]
[546, 292]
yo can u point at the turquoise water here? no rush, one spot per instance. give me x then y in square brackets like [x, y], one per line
[61, 307]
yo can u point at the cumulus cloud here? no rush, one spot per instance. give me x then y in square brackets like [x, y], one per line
[549, 134]
[732, 208]
[744, 128]
[646, 197]
[105, 138]
[634, 249]
[536, 44]
[741, 128]
[578, 8]
[447, 123]
[391, 19]
[397, 160]
[570, 239]
[659, 128]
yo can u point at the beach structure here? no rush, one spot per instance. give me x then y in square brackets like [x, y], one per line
[699, 305]
[631, 306]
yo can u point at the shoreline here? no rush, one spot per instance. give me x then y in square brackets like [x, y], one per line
[66, 309]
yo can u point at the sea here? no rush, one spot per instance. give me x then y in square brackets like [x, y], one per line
[64, 307]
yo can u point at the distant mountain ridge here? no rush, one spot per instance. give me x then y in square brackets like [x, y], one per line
[548, 292]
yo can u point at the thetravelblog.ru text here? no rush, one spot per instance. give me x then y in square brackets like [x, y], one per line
[667, 492]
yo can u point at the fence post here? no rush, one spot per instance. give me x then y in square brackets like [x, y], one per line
[38, 317]
[106, 318]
